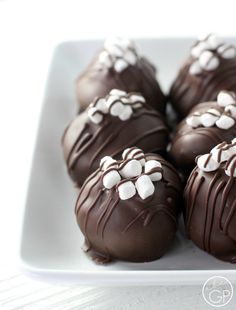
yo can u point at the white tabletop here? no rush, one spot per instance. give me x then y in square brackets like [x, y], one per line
[29, 31]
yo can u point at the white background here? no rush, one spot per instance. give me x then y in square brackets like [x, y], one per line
[29, 31]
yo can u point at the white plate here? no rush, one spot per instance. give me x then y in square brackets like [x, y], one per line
[51, 240]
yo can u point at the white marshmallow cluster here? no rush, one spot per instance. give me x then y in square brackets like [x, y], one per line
[131, 175]
[118, 103]
[223, 118]
[222, 153]
[118, 53]
[207, 53]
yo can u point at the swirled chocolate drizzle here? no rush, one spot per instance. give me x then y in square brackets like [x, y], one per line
[85, 142]
[189, 142]
[210, 203]
[135, 229]
[118, 70]
[189, 89]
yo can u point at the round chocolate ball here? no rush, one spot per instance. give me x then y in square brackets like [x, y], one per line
[210, 68]
[119, 66]
[128, 209]
[211, 204]
[108, 126]
[206, 125]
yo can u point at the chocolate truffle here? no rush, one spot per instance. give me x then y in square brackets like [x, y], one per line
[207, 125]
[210, 67]
[128, 209]
[211, 202]
[118, 65]
[109, 125]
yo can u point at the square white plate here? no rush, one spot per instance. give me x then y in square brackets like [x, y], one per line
[51, 240]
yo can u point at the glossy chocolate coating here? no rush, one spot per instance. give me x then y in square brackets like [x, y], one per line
[132, 230]
[190, 142]
[98, 81]
[85, 143]
[188, 90]
[210, 212]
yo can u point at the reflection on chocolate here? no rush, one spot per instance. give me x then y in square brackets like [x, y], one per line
[210, 68]
[136, 218]
[211, 204]
[119, 66]
[206, 125]
[108, 126]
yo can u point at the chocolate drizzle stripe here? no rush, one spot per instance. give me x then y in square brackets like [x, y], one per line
[208, 195]
[109, 213]
[107, 203]
[193, 198]
[207, 84]
[74, 154]
[224, 196]
[86, 197]
[148, 214]
[140, 214]
[138, 139]
[82, 188]
[138, 151]
[229, 161]
[207, 160]
[90, 209]
[211, 215]
[80, 137]
[216, 81]
[147, 133]
[105, 143]
[210, 132]
[229, 217]
[95, 136]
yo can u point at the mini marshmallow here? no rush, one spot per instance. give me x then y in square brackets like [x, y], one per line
[227, 51]
[212, 41]
[198, 49]
[195, 68]
[117, 92]
[219, 154]
[126, 190]
[115, 105]
[144, 186]
[117, 108]
[208, 120]
[95, 115]
[130, 57]
[131, 169]
[233, 141]
[211, 165]
[110, 178]
[225, 122]
[231, 109]
[124, 154]
[108, 161]
[113, 48]
[112, 98]
[150, 166]
[136, 153]
[105, 59]
[137, 98]
[125, 113]
[194, 121]
[225, 98]
[126, 43]
[231, 168]
[208, 61]
[100, 104]
[120, 65]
